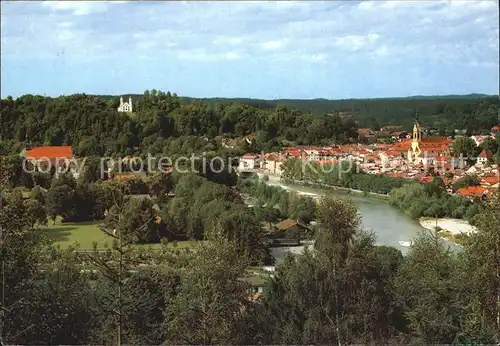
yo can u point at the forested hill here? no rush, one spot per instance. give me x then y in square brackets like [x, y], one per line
[440, 111]
[93, 126]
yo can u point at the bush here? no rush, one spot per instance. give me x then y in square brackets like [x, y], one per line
[416, 210]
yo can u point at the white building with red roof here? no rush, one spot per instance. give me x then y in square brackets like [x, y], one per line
[250, 162]
[479, 139]
[484, 157]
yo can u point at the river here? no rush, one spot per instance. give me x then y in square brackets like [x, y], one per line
[389, 224]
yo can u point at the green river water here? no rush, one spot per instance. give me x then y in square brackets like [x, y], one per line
[390, 225]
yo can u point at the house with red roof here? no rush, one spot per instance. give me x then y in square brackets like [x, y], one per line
[495, 130]
[473, 192]
[365, 132]
[54, 156]
[127, 176]
[249, 161]
[491, 182]
[272, 163]
[50, 152]
[479, 139]
[484, 157]
[400, 135]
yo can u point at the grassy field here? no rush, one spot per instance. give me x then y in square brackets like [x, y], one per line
[85, 234]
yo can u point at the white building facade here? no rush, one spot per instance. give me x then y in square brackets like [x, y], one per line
[125, 107]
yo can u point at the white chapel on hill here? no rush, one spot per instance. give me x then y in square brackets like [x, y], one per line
[125, 106]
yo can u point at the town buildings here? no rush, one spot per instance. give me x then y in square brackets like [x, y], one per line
[420, 157]
[425, 150]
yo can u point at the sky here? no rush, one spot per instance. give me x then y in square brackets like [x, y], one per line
[270, 50]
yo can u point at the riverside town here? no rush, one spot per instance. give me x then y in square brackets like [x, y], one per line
[250, 173]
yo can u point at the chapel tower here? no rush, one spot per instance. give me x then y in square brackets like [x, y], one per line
[414, 152]
[125, 107]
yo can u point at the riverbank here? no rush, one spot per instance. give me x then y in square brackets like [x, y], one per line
[452, 230]
[391, 226]
[277, 180]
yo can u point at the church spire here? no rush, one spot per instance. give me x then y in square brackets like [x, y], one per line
[417, 130]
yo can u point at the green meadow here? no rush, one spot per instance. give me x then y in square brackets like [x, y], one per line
[85, 234]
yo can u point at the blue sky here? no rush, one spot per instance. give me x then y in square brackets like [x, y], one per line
[307, 49]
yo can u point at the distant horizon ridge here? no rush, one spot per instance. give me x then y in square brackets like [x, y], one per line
[471, 95]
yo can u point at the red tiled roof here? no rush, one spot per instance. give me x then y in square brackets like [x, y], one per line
[472, 191]
[426, 144]
[124, 176]
[294, 153]
[491, 180]
[51, 152]
[426, 179]
[485, 154]
[250, 156]
[271, 157]
[393, 153]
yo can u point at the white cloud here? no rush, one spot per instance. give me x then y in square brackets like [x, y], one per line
[201, 54]
[381, 51]
[65, 24]
[271, 45]
[365, 5]
[425, 21]
[229, 40]
[318, 57]
[233, 56]
[356, 42]
[211, 31]
[78, 8]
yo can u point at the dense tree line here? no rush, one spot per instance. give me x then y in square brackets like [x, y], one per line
[473, 113]
[93, 126]
[432, 200]
[343, 174]
[346, 290]
[276, 203]
[199, 203]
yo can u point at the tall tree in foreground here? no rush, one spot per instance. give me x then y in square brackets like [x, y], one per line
[483, 271]
[428, 290]
[115, 265]
[338, 221]
[211, 302]
[338, 293]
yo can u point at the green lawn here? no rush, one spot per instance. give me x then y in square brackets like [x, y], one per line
[85, 233]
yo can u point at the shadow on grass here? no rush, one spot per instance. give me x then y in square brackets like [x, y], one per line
[59, 233]
[83, 223]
